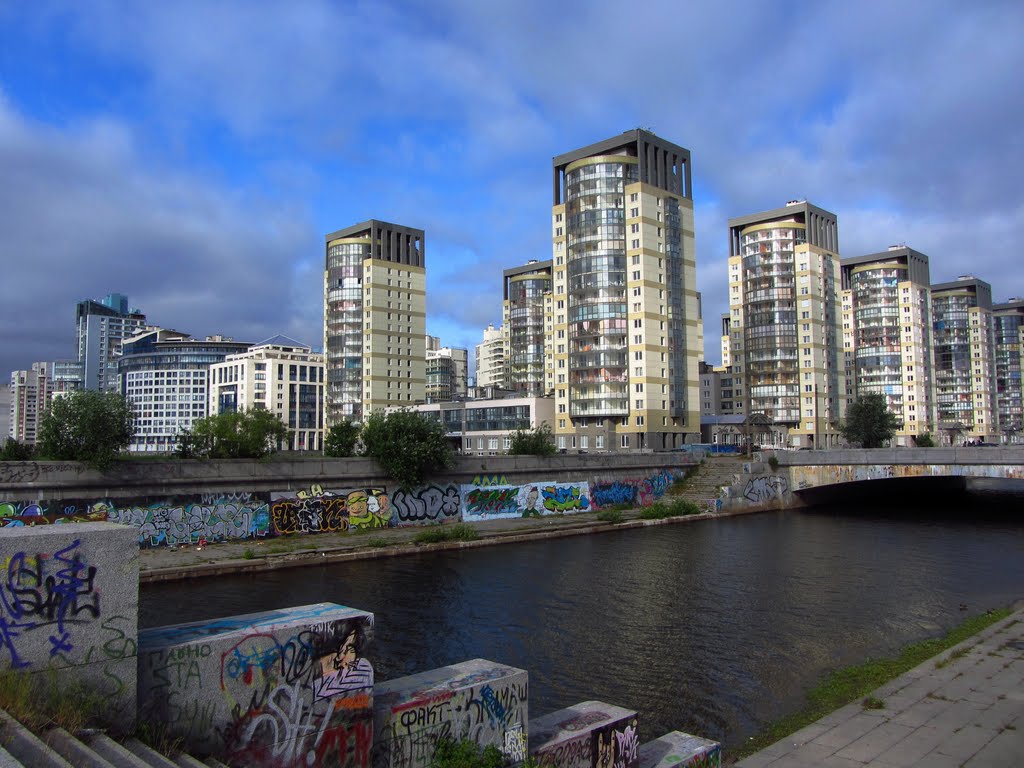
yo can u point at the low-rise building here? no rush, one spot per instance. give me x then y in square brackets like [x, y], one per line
[485, 427]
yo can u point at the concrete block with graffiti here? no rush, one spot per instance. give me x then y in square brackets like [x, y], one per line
[681, 750]
[69, 601]
[478, 700]
[533, 499]
[282, 688]
[590, 734]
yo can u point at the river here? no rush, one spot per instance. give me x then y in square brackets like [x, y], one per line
[714, 627]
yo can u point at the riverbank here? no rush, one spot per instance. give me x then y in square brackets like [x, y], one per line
[163, 564]
[961, 706]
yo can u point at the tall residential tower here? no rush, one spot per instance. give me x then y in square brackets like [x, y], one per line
[625, 311]
[374, 319]
[784, 322]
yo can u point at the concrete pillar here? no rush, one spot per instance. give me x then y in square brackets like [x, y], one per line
[69, 601]
[590, 734]
[478, 700]
[281, 688]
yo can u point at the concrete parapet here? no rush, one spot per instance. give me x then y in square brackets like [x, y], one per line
[282, 688]
[680, 750]
[478, 700]
[590, 734]
[69, 601]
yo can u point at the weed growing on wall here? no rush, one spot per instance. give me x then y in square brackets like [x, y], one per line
[466, 754]
[674, 508]
[610, 516]
[439, 533]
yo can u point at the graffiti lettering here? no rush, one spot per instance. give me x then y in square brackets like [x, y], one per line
[765, 488]
[564, 498]
[427, 504]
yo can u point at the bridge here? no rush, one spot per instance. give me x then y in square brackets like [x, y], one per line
[796, 478]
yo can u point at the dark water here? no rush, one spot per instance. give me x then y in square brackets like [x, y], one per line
[713, 628]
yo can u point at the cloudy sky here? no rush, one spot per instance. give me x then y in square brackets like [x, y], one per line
[192, 154]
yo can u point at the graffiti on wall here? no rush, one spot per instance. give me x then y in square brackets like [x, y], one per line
[486, 706]
[316, 510]
[301, 700]
[172, 523]
[765, 488]
[529, 500]
[638, 493]
[24, 513]
[591, 739]
[46, 597]
[432, 504]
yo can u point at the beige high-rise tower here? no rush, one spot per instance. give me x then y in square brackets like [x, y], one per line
[374, 319]
[784, 322]
[624, 310]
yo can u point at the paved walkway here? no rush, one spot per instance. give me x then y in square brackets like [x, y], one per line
[968, 712]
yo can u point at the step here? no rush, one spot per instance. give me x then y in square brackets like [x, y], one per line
[149, 755]
[27, 748]
[114, 753]
[213, 762]
[74, 750]
[187, 761]
[6, 761]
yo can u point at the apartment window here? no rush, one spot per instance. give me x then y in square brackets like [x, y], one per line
[633, 197]
[634, 244]
[634, 212]
[599, 440]
[584, 442]
[639, 421]
[558, 232]
[639, 405]
[636, 274]
[634, 228]
[624, 441]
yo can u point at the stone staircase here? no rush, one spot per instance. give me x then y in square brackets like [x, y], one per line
[704, 487]
[56, 748]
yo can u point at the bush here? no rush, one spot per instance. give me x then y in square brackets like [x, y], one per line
[533, 442]
[773, 462]
[249, 434]
[465, 754]
[924, 441]
[610, 516]
[408, 446]
[660, 510]
[341, 440]
[15, 451]
[89, 426]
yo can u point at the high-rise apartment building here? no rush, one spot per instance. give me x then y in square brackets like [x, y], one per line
[1009, 338]
[523, 307]
[447, 372]
[887, 336]
[965, 375]
[101, 327]
[29, 401]
[784, 323]
[624, 330]
[374, 319]
[490, 359]
[164, 375]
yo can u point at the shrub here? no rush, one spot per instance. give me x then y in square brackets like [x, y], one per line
[773, 462]
[924, 441]
[249, 434]
[438, 533]
[407, 445]
[610, 515]
[15, 451]
[465, 754]
[341, 440]
[533, 442]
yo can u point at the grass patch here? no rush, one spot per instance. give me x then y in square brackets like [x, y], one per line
[438, 533]
[377, 543]
[249, 554]
[660, 510]
[843, 686]
[465, 754]
[873, 702]
[958, 653]
[610, 516]
[47, 699]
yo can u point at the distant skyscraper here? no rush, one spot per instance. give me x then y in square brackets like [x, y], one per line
[526, 290]
[101, 327]
[887, 336]
[490, 360]
[784, 323]
[1009, 337]
[164, 374]
[447, 371]
[625, 336]
[964, 360]
[374, 319]
[29, 401]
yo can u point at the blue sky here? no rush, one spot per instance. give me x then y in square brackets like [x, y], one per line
[193, 154]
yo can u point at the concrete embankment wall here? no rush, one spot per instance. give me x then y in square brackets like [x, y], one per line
[182, 502]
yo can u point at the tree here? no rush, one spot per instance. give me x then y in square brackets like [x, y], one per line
[15, 451]
[533, 442]
[249, 434]
[869, 422]
[341, 439]
[88, 426]
[924, 440]
[407, 445]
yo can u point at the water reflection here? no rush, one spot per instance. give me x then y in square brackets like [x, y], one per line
[712, 628]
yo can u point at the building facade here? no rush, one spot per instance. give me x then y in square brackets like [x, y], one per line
[1008, 319]
[485, 427]
[523, 325]
[490, 359]
[374, 319]
[279, 375]
[164, 376]
[447, 371]
[101, 326]
[29, 400]
[887, 336]
[625, 318]
[784, 321]
[965, 376]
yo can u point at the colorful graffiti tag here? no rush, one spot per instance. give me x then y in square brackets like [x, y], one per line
[529, 500]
